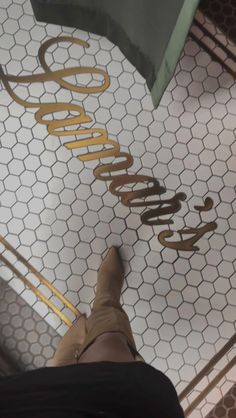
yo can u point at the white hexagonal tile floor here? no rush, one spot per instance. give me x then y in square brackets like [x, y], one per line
[181, 304]
[28, 340]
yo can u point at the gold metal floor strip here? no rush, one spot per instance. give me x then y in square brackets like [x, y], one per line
[209, 387]
[205, 372]
[41, 279]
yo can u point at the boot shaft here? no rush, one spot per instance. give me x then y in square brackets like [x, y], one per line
[110, 281]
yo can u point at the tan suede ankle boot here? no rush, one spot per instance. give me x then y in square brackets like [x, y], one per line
[110, 280]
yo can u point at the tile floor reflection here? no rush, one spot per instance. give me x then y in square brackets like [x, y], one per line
[182, 305]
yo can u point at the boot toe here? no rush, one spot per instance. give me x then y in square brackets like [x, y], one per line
[112, 261]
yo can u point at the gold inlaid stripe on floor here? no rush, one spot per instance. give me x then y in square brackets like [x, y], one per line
[41, 279]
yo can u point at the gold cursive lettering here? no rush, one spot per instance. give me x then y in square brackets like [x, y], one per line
[128, 197]
[93, 137]
[102, 139]
[173, 206]
[208, 205]
[109, 168]
[186, 245]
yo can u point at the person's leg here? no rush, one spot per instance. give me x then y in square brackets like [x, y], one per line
[71, 341]
[106, 334]
[109, 346]
[108, 317]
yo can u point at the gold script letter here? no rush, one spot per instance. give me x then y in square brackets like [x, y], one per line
[186, 245]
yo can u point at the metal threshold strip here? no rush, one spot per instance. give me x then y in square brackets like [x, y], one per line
[214, 42]
[205, 372]
[41, 279]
